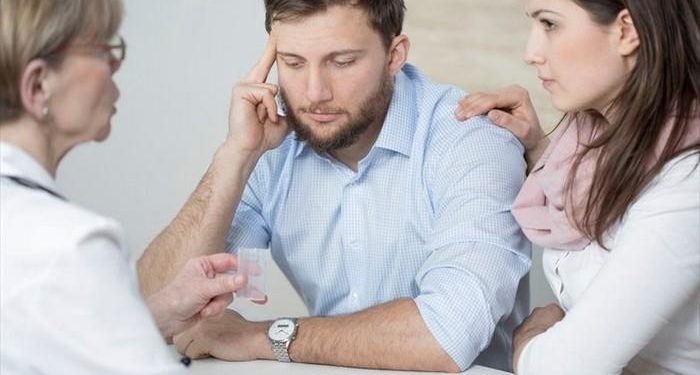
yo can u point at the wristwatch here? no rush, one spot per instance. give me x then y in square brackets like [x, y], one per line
[281, 334]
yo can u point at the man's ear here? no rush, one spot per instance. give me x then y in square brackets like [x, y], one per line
[628, 42]
[398, 53]
[34, 88]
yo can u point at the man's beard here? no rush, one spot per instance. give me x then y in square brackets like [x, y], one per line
[372, 112]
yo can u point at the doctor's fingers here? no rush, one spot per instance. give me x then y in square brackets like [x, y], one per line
[221, 284]
[216, 305]
[221, 262]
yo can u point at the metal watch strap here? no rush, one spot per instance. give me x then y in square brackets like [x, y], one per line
[280, 348]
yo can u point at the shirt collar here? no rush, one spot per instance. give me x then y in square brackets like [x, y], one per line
[15, 162]
[301, 145]
[400, 122]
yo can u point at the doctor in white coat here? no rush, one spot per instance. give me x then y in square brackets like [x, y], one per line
[69, 301]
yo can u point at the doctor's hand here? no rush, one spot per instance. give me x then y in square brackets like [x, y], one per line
[200, 290]
[512, 109]
[254, 125]
[229, 337]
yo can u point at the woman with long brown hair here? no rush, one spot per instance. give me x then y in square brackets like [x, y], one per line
[614, 197]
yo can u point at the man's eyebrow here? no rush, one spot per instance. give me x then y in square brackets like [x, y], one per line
[330, 55]
[288, 54]
[536, 13]
[346, 52]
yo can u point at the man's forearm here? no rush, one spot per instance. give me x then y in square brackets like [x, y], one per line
[388, 336]
[201, 226]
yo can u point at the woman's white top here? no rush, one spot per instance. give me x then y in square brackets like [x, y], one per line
[69, 301]
[635, 308]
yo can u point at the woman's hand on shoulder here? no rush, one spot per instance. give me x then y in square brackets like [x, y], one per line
[509, 108]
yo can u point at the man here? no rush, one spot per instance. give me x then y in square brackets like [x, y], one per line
[389, 217]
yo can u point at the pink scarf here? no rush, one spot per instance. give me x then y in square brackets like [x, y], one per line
[542, 208]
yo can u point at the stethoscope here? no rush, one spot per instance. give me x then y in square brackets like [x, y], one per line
[32, 185]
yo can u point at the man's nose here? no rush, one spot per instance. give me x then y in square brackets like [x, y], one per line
[318, 87]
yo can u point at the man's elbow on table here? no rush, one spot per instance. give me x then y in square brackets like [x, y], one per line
[440, 361]
[449, 366]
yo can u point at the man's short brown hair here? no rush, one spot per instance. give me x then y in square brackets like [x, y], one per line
[385, 16]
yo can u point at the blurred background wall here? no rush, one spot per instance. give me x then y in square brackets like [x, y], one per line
[183, 58]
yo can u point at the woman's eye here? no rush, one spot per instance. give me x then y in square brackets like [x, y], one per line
[548, 25]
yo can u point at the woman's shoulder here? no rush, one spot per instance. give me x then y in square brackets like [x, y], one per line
[682, 167]
[43, 237]
[666, 212]
[677, 185]
[34, 219]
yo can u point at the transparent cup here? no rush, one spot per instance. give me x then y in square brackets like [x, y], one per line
[252, 262]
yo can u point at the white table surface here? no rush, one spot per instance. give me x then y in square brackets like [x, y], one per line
[216, 367]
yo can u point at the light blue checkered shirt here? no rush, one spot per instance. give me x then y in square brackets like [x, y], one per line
[426, 216]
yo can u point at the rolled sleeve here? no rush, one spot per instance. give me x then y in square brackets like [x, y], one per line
[469, 283]
[465, 290]
[249, 228]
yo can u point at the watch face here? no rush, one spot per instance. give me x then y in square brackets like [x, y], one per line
[281, 330]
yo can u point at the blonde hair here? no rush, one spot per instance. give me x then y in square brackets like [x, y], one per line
[40, 29]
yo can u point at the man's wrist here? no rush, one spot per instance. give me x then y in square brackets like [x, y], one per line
[232, 150]
[261, 341]
[232, 164]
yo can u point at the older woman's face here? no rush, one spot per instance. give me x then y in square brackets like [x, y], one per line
[576, 58]
[83, 94]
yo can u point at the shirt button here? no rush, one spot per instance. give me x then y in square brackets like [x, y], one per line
[354, 296]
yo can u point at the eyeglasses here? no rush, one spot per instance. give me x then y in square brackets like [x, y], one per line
[117, 48]
[114, 50]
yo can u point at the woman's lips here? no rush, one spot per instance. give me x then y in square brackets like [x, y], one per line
[547, 83]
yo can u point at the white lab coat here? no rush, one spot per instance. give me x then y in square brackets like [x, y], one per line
[69, 301]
